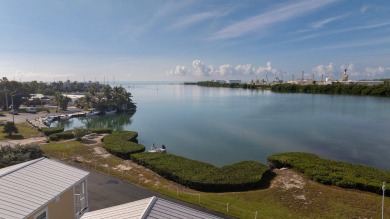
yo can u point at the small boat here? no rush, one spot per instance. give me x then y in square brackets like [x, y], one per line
[111, 112]
[48, 120]
[64, 117]
[155, 149]
[92, 112]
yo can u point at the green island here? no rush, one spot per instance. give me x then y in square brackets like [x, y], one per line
[382, 90]
[307, 188]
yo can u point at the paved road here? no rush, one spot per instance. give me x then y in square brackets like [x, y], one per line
[21, 117]
[105, 191]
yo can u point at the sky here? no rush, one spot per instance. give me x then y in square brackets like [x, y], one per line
[193, 40]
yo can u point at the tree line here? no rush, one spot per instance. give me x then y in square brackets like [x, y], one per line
[100, 96]
[382, 90]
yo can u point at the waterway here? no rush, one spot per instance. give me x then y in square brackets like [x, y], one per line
[222, 126]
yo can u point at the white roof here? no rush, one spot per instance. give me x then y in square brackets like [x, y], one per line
[147, 208]
[30, 185]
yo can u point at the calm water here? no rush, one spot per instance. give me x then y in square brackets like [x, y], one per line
[223, 126]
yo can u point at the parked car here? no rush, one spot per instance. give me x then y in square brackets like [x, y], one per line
[31, 110]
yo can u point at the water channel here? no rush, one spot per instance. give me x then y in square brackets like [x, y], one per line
[222, 126]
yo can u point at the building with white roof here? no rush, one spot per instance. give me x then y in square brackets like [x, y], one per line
[152, 207]
[48, 189]
[41, 189]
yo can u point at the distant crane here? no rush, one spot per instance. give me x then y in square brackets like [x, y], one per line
[267, 79]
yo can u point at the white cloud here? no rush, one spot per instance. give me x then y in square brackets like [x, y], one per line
[267, 69]
[363, 9]
[322, 23]
[327, 70]
[354, 72]
[200, 69]
[197, 18]
[285, 12]
[179, 70]
[377, 72]
[226, 69]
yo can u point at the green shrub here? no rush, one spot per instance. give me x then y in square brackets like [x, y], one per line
[52, 130]
[62, 135]
[122, 144]
[202, 176]
[79, 132]
[101, 130]
[11, 155]
[329, 172]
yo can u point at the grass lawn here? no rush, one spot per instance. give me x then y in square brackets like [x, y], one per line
[291, 195]
[25, 131]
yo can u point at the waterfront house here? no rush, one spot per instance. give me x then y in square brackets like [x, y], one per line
[43, 188]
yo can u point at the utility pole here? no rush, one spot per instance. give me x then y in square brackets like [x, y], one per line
[13, 109]
[6, 97]
[383, 199]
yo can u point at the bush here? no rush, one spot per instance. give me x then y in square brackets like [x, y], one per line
[11, 155]
[122, 144]
[53, 130]
[329, 172]
[101, 130]
[79, 132]
[62, 135]
[202, 176]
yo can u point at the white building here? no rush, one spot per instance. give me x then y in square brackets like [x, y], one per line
[43, 188]
[148, 208]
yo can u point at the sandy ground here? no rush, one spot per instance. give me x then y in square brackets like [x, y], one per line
[23, 141]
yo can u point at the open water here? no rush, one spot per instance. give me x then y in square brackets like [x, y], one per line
[222, 126]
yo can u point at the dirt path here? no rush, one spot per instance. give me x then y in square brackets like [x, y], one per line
[144, 174]
[23, 141]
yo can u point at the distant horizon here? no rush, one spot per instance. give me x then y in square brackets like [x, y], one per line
[193, 40]
[127, 82]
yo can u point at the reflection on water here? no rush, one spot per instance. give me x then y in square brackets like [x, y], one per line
[116, 122]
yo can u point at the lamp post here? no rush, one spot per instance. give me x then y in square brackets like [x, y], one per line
[383, 198]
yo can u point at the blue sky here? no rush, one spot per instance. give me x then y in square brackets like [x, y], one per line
[154, 40]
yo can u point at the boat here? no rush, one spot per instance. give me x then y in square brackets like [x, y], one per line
[64, 117]
[111, 112]
[48, 120]
[92, 112]
[155, 149]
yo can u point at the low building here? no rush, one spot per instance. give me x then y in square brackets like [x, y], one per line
[43, 188]
[234, 81]
[153, 207]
